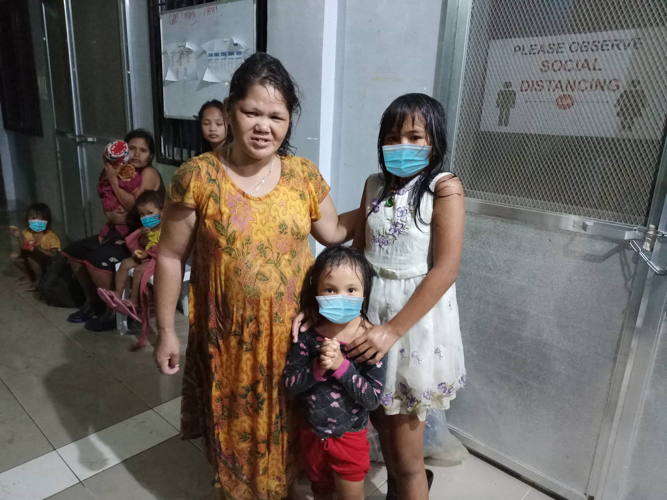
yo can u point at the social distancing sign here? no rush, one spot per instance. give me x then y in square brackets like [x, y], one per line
[606, 84]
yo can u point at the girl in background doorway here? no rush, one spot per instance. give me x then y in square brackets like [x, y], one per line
[37, 245]
[412, 235]
[213, 128]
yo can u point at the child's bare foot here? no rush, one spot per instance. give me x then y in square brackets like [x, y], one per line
[23, 280]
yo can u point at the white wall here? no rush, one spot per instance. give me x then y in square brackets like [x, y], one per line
[295, 37]
[383, 50]
[390, 49]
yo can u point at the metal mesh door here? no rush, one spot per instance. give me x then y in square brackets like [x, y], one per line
[609, 178]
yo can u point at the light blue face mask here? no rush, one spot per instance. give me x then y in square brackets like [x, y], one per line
[150, 221]
[340, 308]
[37, 225]
[406, 160]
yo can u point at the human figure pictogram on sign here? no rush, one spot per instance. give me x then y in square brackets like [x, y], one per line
[505, 101]
[630, 105]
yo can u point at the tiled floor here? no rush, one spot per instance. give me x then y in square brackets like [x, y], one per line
[82, 417]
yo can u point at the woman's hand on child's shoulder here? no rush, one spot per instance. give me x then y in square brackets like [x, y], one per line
[303, 322]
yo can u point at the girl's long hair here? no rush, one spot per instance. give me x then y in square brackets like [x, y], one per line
[414, 107]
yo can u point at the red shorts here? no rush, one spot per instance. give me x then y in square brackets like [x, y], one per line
[348, 456]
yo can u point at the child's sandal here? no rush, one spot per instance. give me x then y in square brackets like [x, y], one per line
[107, 297]
[126, 308]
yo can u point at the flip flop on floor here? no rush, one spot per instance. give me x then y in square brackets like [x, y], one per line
[108, 297]
[127, 308]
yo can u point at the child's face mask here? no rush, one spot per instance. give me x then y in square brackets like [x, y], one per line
[340, 309]
[150, 221]
[37, 225]
[406, 160]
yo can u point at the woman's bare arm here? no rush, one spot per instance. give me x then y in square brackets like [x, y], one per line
[176, 240]
[333, 229]
[360, 230]
[150, 180]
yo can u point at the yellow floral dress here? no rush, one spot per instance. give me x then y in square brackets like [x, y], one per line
[249, 260]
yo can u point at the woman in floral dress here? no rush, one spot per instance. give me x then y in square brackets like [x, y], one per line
[246, 212]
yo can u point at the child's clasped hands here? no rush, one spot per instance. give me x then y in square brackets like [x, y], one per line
[331, 356]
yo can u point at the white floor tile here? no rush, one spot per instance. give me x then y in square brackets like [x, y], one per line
[379, 469]
[110, 446]
[536, 495]
[40, 478]
[475, 479]
[374, 480]
[77, 492]
[171, 412]
[380, 493]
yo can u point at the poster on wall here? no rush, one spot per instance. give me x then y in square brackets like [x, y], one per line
[201, 48]
[606, 84]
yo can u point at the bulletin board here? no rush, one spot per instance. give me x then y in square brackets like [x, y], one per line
[201, 48]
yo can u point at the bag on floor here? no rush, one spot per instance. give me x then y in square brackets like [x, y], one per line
[58, 287]
[439, 443]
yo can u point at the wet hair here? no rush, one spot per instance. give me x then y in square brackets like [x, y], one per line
[431, 112]
[42, 211]
[140, 133]
[206, 146]
[154, 197]
[263, 69]
[332, 258]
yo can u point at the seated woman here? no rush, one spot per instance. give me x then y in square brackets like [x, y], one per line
[94, 259]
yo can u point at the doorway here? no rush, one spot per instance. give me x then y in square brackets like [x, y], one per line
[559, 141]
[87, 63]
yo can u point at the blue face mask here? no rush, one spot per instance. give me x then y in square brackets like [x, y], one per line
[406, 160]
[340, 308]
[37, 225]
[150, 221]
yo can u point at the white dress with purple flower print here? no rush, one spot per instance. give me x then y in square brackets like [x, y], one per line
[425, 367]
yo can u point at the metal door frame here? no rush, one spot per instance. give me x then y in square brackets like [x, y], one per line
[78, 135]
[55, 123]
[646, 305]
[642, 350]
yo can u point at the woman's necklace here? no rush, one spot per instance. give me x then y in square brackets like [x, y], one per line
[261, 183]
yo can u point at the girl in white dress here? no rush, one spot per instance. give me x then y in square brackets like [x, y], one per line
[412, 234]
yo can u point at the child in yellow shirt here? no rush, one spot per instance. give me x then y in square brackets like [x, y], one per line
[38, 245]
